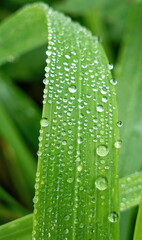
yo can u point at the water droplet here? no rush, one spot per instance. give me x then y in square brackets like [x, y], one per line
[118, 144]
[101, 183]
[110, 66]
[119, 123]
[67, 56]
[104, 99]
[44, 122]
[100, 108]
[79, 168]
[70, 180]
[72, 89]
[45, 81]
[113, 81]
[66, 231]
[102, 150]
[64, 142]
[113, 217]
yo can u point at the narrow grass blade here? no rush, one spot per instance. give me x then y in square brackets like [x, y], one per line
[130, 190]
[20, 229]
[23, 171]
[129, 76]
[11, 203]
[77, 181]
[18, 34]
[138, 227]
[28, 120]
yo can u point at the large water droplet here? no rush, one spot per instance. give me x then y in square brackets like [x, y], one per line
[101, 183]
[100, 108]
[118, 144]
[44, 122]
[113, 217]
[102, 150]
[72, 89]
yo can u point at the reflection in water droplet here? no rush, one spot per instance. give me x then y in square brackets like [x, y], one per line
[102, 150]
[119, 123]
[44, 122]
[118, 144]
[72, 89]
[100, 108]
[113, 217]
[101, 183]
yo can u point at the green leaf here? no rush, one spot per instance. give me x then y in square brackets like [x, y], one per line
[28, 120]
[12, 203]
[138, 227]
[24, 165]
[129, 77]
[19, 229]
[132, 183]
[77, 181]
[22, 37]
[130, 190]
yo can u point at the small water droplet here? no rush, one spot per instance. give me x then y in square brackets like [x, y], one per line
[104, 99]
[110, 66]
[70, 180]
[102, 150]
[101, 183]
[118, 144]
[119, 123]
[113, 81]
[100, 108]
[113, 217]
[79, 168]
[44, 122]
[72, 89]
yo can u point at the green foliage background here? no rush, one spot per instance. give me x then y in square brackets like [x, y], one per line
[118, 23]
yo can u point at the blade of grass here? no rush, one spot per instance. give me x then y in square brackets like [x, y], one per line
[24, 177]
[124, 184]
[77, 181]
[11, 203]
[129, 77]
[28, 120]
[130, 190]
[20, 229]
[138, 227]
[23, 36]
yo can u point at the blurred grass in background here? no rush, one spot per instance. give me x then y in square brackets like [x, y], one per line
[118, 25]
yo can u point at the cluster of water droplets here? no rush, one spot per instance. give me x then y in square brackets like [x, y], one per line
[77, 130]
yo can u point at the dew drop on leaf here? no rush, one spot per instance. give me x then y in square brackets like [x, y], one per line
[113, 81]
[44, 122]
[70, 180]
[72, 89]
[100, 108]
[102, 150]
[113, 217]
[118, 144]
[110, 66]
[119, 123]
[101, 183]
